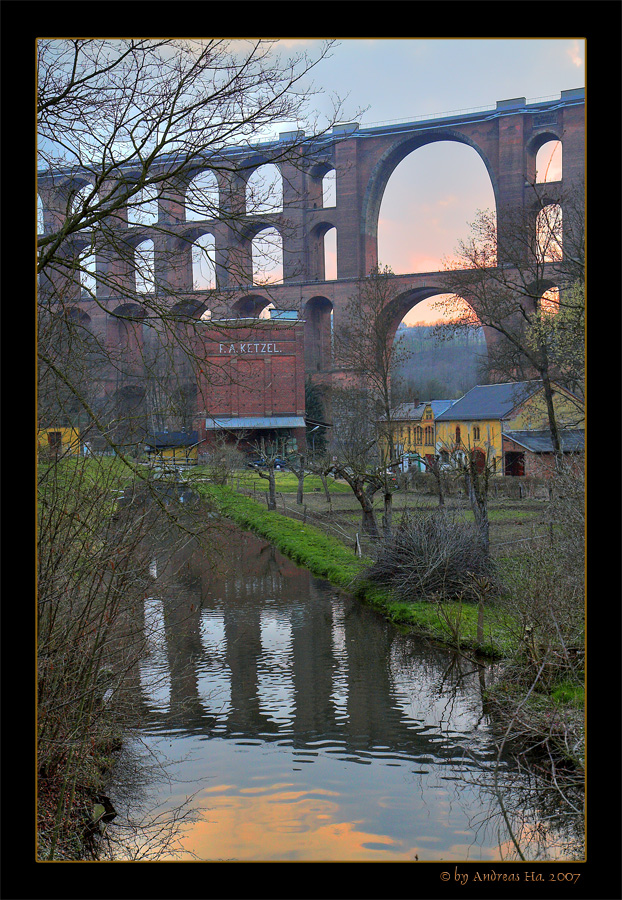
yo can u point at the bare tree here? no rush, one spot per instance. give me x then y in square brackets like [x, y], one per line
[271, 453]
[355, 447]
[474, 468]
[505, 280]
[366, 346]
[297, 464]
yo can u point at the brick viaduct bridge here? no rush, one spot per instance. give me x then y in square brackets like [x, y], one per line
[506, 138]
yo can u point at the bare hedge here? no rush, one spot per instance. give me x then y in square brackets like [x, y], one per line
[431, 556]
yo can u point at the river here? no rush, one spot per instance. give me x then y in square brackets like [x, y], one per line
[279, 719]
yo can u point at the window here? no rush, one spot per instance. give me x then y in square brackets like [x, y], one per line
[457, 434]
[476, 432]
[419, 438]
[429, 434]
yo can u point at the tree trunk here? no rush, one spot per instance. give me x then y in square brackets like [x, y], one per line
[271, 490]
[388, 514]
[552, 417]
[324, 481]
[476, 492]
[368, 522]
[301, 481]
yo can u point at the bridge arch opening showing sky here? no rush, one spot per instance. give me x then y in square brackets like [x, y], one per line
[549, 162]
[267, 256]
[420, 226]
[202, 197]
[424, 368]
[264, 190]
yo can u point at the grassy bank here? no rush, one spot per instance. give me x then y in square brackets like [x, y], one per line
[328, 557]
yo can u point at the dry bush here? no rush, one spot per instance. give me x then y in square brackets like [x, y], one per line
[430, 556]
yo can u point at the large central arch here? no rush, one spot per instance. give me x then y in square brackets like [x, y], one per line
[390, 160]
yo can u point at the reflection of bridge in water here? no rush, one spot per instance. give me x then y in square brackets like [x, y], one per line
[268, 653]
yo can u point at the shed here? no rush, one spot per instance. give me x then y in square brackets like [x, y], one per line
[531, 452]
[179, 448]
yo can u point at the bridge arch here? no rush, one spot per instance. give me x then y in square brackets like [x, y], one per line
[406, 301]
[204, 262]
[318, 316]
[267, 255]
[533, 154]
[142, 208]
[264, 190]
[389, 161]
[144, 267]
[250, 306]
[202, 196]
[189, 308]
[323, 250]
[40, 217]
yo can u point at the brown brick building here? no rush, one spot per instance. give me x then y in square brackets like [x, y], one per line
[252, 385]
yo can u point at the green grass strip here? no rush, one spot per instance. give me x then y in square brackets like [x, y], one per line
[324, 556]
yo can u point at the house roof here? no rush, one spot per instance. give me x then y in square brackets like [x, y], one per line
[440, 406]
[160, 440]
[490, 401]
[411, 411]
[414, 411]
[572, 440]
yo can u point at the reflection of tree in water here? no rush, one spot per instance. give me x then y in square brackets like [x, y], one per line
[144, 830]
[544, 821]
[534, 808]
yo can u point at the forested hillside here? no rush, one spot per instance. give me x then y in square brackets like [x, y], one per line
[433, 368]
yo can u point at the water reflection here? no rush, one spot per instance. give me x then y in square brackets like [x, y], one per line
[306, 724]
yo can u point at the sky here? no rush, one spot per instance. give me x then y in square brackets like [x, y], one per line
[434, 194]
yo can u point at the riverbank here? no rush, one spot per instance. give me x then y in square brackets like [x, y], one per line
[328, 557]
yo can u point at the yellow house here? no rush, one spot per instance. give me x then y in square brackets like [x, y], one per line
[414, 431]
[487, 413]
[59, 440]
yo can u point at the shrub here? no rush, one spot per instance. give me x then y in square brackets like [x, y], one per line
[431, 556]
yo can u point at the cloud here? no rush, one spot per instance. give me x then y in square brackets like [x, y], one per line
[575, 52]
